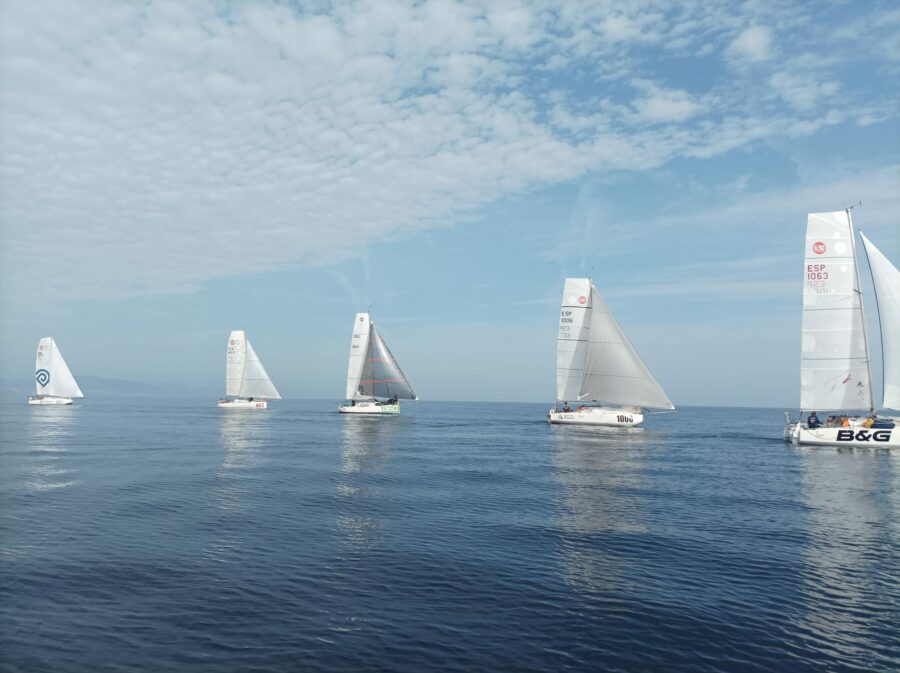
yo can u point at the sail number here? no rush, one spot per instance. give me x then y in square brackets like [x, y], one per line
[625, 419]
[816, 272]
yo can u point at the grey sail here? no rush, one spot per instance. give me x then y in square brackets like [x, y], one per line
[381, 375]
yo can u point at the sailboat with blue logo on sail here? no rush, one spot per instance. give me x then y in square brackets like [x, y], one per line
[835, 367]
[53, 380]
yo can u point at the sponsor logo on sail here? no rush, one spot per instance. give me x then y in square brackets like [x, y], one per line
[582, 299]
[42, 376]
[819, 248]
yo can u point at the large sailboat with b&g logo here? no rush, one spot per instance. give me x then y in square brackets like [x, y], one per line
[837, 403]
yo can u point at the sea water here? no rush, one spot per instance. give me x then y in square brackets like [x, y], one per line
[143, 534]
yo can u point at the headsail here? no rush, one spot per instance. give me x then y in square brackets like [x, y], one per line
[373, 371]
[614, 372]
[887, 292]
[596, 362]
[245, 375]
[51, 373]
[834, 365]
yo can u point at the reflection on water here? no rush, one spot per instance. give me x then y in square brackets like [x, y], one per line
[49, 434]
[851, 498]
[365, 446]
[242, 433]
[599, 473]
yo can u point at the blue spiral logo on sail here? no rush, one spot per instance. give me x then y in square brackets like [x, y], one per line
[42, 376]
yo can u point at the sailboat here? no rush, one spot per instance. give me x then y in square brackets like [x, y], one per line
[53, 381]
[373, 373]
[598, 369]
[835, 369]
[247, 384]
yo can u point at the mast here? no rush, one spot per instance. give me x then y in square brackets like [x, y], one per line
[862, 310]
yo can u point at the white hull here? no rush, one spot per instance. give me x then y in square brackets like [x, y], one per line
[243, 404]
[369, 408]
[620, 418]
[873, 438]
[50, 400]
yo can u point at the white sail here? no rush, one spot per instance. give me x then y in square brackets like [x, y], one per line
[256, 382]
[887, 293]
[834, 367]
[52, 376]
[595, 360]
[359, 346]
[572, 340]
[235, 356]
[245, 375]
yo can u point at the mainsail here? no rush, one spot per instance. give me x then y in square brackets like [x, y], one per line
[834, 365]
[52, 376]
[886, 278]
[373, 371]
[595, 360]
[245, 375]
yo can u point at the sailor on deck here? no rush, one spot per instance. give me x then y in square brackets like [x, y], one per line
[813, 421]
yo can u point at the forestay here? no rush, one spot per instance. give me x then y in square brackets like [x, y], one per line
[245, 375]
[887, 293]
[834, 367]
[596, 362]
[51, 373]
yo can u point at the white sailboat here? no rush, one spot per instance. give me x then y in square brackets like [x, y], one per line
[247, 383]
[53, 381]
[373, 373]
[835, 373]
[598, 369]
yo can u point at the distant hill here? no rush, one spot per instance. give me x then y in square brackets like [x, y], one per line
[99, 386]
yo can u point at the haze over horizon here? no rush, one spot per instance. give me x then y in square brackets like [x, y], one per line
[172, 171]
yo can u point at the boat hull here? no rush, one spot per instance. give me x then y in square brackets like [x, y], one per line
[605, 416]
[51, 401]
[243, 404]
[369, 408]
[873, 438]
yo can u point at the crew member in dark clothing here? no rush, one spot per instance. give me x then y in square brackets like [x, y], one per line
[813, 421]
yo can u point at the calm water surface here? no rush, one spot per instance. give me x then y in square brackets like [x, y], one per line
[167, 535]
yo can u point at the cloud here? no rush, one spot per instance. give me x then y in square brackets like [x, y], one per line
[753, 45]
[152, 148]
[802, 91]
[665, 105]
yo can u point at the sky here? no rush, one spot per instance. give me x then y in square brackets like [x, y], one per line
[171, 171]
